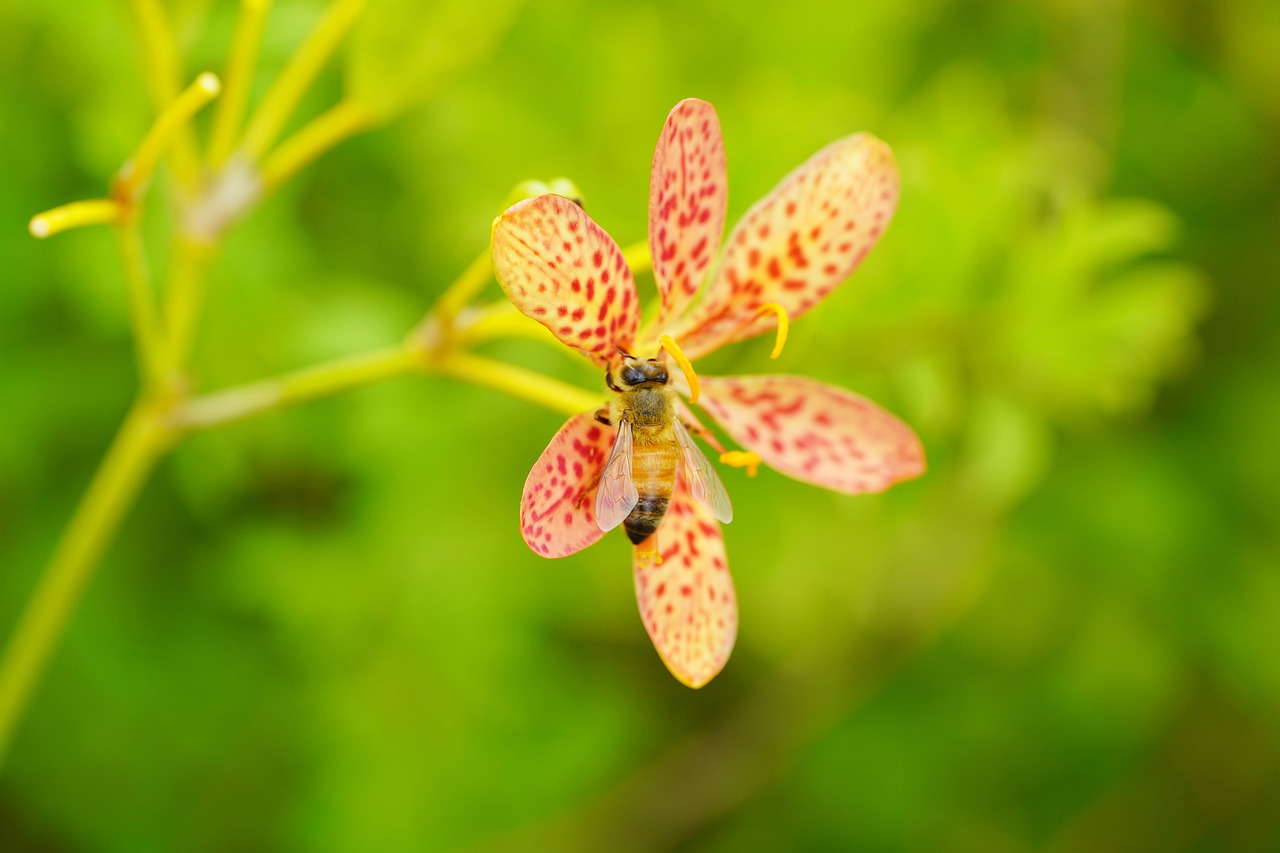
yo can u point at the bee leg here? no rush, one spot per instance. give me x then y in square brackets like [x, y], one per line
[608, 380]
[602, 415]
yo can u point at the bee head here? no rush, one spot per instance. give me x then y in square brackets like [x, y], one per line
[642, 371]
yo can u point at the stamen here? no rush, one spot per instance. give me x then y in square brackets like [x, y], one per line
[686, 367]
[784, 324]
[742, 459]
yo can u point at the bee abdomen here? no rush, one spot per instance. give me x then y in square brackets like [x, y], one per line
[645, 518]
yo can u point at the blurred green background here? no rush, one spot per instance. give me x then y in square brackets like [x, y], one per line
[320, 629]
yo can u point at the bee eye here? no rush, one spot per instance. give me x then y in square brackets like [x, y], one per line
[660, 377]
[631, 376]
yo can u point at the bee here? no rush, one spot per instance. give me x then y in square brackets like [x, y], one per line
[651, 447]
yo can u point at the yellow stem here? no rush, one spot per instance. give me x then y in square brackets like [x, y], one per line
[321, 380]
[502, 320]
[184, 300]
[126, 466]
[273, 113]
[142, 307]
[464, 288]
[239, 75]
[96, 211]
[518, 382]
[341, 121]
[135, 174]
[162, 73]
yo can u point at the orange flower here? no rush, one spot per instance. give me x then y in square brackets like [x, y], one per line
[788, 252]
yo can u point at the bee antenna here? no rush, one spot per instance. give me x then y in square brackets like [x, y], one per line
[623, 352]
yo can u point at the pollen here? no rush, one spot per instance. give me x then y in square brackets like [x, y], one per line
[647, 554]
[784, 325]
[742, 459]
[686, 366]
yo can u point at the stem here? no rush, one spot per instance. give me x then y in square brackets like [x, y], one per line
[184, 301]
[518, 382]
[136, 173]
[339, 122]
[127, 464]
[239, 74]
[502, 320]
[322, 380]
[274, 111]
[96, 211]
[464, 288]
[162, 74]
[142, 308]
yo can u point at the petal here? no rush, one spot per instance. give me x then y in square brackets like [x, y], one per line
[687, 601]
[687, 199]
[562, 269]
[815, 432]
[798, 243]
[556, 510]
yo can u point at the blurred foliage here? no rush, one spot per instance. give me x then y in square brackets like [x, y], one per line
[320, 630]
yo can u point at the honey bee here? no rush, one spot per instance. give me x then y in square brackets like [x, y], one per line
[652, 445]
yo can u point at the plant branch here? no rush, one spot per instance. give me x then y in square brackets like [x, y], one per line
[162, 73]
[273, 113]
[343, 120]
[238, 76]
[184, 300]
[321, 380]
[76, 214]
[135, 174]
[142, 305]
[126, 466]
[517, 382]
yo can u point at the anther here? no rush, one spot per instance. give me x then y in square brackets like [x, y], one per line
[742, 459]
[784, 324]
[686, 367]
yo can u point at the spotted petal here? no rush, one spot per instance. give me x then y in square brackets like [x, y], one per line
[557, 515]
[687, 199]
[798, 243]
[815, 432]
[561, 268]
[687, 602]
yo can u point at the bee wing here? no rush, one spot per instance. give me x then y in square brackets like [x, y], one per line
[704, 482]
[617, 494]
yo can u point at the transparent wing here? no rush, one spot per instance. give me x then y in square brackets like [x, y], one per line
[704, 482]
[617, 494]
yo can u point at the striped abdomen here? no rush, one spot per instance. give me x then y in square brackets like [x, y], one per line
[654, 461]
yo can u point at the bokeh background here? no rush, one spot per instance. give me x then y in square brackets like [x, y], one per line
[320, 629]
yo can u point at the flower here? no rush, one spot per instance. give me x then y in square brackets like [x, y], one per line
[786, 254]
